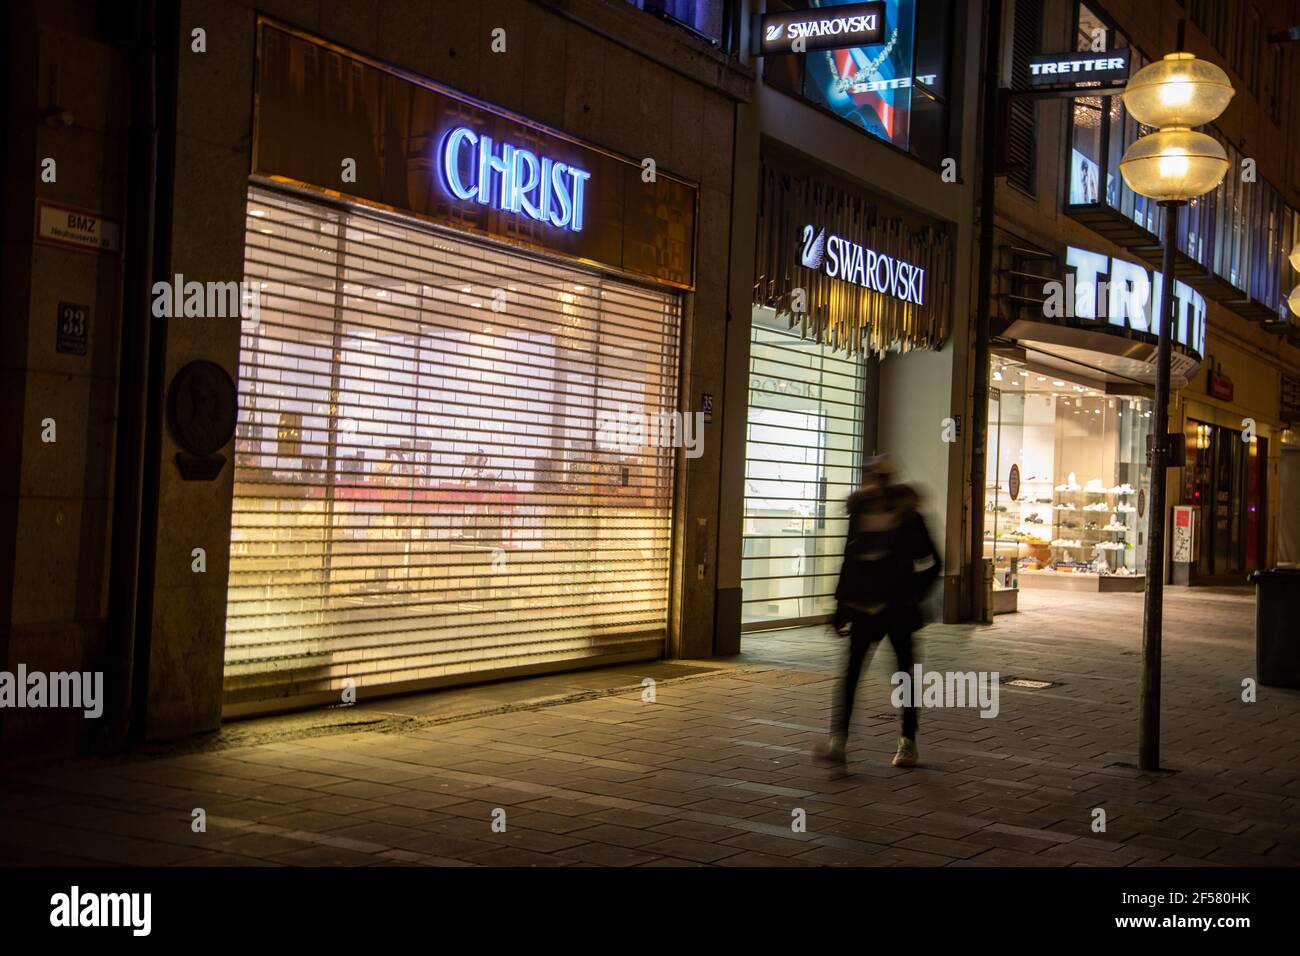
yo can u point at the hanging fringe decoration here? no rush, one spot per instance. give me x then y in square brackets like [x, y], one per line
[843, 314]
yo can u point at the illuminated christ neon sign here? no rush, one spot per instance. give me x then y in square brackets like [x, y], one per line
[512, 179]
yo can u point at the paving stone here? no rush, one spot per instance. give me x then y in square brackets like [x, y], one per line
[750, 858]
[712, 774]
[686, 849]
[514, 856]
[605, 854]
[323, 856]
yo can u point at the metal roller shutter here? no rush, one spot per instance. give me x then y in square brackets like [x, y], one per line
[418, 490]
[803, 451]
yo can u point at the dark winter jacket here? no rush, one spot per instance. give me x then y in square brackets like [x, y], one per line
[890, 563]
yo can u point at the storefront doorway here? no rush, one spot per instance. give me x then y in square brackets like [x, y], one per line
[420, 494]
[804, 446]
[1226, 479]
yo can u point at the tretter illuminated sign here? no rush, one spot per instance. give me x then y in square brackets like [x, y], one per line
[512, 179]
[1064, 69]
[1125, 295]
[821, 28]
[849, 261]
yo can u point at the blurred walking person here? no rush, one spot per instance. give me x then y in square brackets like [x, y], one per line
[890, 563]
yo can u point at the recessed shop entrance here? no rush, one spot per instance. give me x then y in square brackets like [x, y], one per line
[804, 446]
[1226, 481]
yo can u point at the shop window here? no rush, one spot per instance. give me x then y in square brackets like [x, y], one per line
[1067, 480]
[1101, 130]
[705, 18]
[896, 91]
[1275, 86]
[1087, 122]
[1085, 154]
[1229, 35]
[1251, 54]
[1214, 16]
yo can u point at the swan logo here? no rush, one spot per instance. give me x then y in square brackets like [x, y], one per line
[774, 31]
[814, 250]
[851, 262]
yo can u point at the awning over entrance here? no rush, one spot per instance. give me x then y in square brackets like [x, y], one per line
[1106, 350]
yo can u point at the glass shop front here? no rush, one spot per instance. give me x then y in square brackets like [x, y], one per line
[1067, 482]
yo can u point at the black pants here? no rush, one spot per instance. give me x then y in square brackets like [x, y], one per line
[866, 632]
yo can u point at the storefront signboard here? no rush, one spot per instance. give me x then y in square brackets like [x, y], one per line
[1067, 69]
[333, 121]
[512, 179]
[75, 228]
[1219, 385]
[854, 272]
[1125, 295]
[1184, 534]
[821, 28]
[848, 261]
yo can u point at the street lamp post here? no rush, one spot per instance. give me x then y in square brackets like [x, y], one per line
[1171, 166]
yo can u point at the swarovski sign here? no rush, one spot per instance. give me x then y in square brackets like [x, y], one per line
[821, 28]
[1057, 69]
[849, 261]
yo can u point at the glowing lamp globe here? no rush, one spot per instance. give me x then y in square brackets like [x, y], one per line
[1174, 164]
[1179, 90]
[1295, 257]
[1294, 300]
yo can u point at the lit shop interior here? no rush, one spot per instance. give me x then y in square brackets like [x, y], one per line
[1067, 482]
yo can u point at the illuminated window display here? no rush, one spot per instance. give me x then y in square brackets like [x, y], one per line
[1067, 481]
[896, 90]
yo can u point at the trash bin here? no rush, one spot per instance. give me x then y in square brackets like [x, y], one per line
[1277, 626]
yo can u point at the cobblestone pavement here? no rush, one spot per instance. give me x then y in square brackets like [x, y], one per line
[716, 769]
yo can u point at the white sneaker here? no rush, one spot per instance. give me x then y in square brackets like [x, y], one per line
[830, 750]
[907, 754]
